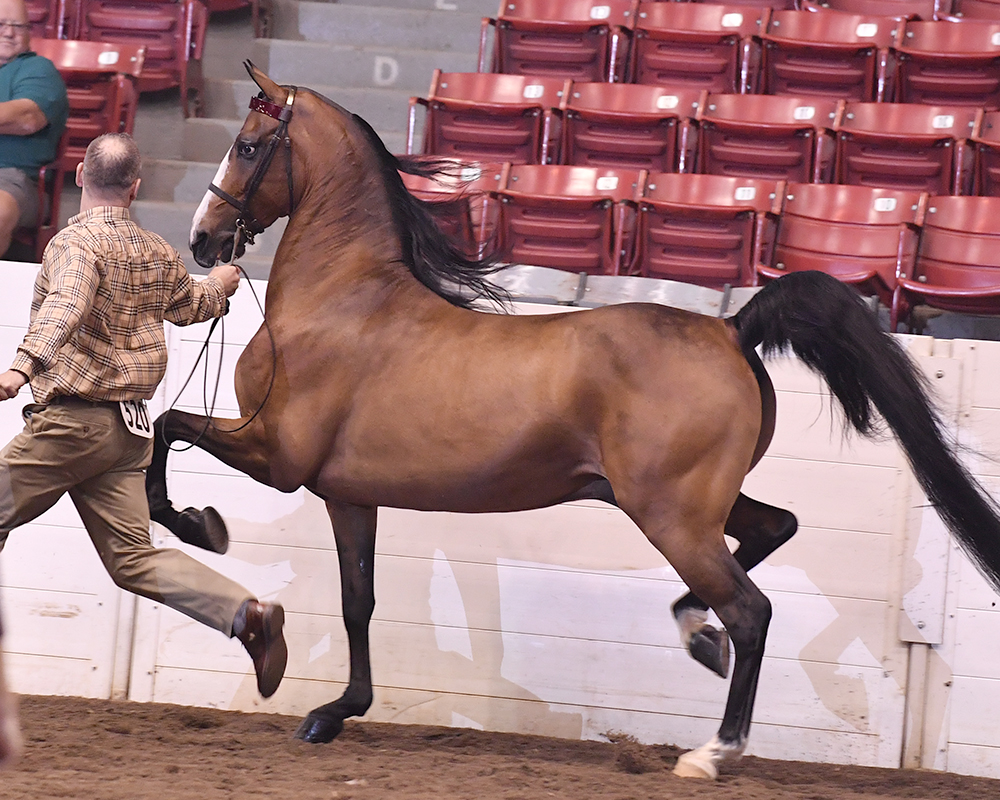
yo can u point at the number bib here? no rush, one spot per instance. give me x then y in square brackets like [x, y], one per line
[136, 417]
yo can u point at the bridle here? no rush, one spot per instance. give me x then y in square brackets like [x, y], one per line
[246, 223]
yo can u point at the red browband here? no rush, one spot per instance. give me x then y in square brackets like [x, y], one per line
[273, 110]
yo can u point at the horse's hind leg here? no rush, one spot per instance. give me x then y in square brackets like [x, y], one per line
[704, 563]
[354, 531]
[760, 529]
[239, 449]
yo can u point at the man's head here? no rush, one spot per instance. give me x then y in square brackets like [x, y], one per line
[109, 173]
[15, 32]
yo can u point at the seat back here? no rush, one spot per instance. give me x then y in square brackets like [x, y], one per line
[986, 147]
[629, 125]
[779, 137]
[861, 235]
[907, 146]
[50, 18]
[897, 9]
[826, 53]
[101, 89]
[577, 219]
[708, 230]
[482, 116]
[578, 39]
[461, 201]
[696, 45]
[954, 63]
[172, 31]
[976, 9]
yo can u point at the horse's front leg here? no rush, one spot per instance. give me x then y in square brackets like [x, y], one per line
[354, 531]
[241, 449]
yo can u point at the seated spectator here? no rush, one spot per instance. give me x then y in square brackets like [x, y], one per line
[33, 112]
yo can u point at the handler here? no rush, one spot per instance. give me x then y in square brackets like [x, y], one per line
[33, 112]
[94, 352]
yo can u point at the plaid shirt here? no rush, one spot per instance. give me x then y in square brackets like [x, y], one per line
[97, 313]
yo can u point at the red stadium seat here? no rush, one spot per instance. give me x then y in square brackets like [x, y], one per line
[578, 39]
[976, 9]
[696, 46]
[862, 236]
[577, 219]
[958, 262]
[897, 9]
[986, 144]
[629, 125]
[50, 185]
[949, 63]
[826, 53]
[706, 229]
[172, 31]
[261, 13]
[482, 116]
[51, 19]
[779, 137]
[101, 88]
[907, 146]
[462, 201]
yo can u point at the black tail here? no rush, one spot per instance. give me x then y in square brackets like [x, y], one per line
[827, 325]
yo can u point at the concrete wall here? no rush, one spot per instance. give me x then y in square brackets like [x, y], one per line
[557, 621]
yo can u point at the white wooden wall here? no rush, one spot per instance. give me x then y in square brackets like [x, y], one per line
[881, 650]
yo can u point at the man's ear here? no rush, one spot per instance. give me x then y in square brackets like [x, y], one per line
[134, 191]
[79, 174]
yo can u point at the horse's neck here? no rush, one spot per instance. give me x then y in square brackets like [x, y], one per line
[339, 257]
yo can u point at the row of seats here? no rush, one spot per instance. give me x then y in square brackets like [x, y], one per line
[171, 31]
[524, 119]
[743, 48]
[906, 247]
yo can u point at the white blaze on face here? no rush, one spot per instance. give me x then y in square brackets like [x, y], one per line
[199, 215]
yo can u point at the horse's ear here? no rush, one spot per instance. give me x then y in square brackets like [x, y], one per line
[270, 89]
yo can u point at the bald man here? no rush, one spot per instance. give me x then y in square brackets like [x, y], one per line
[93, 354]
[33, 112]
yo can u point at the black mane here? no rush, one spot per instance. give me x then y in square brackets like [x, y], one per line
[432, 257]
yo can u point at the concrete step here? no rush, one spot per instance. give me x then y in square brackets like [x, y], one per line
[359, 25]
[384, 109]
[363, 67]
[208, 140]
[175, 181]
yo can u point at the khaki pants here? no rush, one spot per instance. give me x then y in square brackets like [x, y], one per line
[85, 449]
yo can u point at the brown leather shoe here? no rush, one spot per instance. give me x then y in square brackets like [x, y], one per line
[262, 637]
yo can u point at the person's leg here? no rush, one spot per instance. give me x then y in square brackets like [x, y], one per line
[10, 730]
[18, 204]
[115, 511]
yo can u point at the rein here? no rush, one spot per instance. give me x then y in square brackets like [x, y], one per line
[246, 222]
[247, 227]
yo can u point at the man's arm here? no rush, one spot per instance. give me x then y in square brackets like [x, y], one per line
[21, 117]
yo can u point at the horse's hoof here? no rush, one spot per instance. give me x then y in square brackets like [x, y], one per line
[319, 730]
[695, 765]
[205, 529]
[711, 647]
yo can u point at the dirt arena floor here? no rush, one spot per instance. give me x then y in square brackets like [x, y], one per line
[101, 750]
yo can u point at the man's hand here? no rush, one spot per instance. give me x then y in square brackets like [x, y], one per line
[228, 275]
[10, 382]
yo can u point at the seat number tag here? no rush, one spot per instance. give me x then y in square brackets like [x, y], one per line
[136, 417]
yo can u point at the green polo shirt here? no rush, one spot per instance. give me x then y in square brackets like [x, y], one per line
[33, 77]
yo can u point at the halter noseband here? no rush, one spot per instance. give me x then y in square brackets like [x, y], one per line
[246, 222]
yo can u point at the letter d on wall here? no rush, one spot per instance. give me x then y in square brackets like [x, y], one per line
[386, 70]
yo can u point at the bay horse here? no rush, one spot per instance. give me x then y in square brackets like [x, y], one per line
[375, 382]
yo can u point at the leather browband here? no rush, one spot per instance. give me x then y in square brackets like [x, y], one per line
[273, 110]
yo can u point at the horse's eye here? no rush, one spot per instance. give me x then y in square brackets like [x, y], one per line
[246, 150]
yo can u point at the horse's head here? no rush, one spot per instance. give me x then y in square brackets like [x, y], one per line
[256, 181]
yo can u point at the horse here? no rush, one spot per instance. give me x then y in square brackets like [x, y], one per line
[377, 379]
